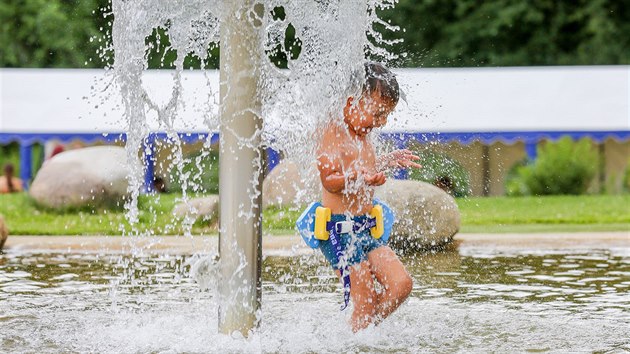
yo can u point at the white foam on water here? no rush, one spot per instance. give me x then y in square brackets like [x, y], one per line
[306, 323]
[85, 309]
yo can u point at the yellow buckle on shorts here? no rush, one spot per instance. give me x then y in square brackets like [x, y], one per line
[378, 230]
[322, 217]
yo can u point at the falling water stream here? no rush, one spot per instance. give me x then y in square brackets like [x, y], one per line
[261, 105]
[333, 37]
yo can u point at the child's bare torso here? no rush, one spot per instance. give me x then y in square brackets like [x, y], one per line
[352, 155]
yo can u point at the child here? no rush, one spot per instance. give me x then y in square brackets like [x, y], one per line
[349, 171]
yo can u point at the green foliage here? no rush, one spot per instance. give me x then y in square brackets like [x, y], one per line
[564, 167]
[52, 33]
[75, 33]
[280, 53]
[438, 168]
[514, 184]
[200, 172]
[511, 32]
[10, 154]
[626, 178]
[160, 55]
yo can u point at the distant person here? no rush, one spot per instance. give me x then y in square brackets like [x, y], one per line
[56, 151]
[158, 185]
[8, 183]
[444, 183]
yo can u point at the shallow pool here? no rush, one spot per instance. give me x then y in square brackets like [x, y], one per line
[469, 298]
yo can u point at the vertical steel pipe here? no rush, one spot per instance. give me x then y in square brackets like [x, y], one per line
[26, 163]
[240, 171]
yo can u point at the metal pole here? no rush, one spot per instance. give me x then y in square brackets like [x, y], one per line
[26, 162]
[149, 162]
[240, 171]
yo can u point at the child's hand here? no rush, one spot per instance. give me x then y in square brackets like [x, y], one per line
[399, 159]
[376, 179]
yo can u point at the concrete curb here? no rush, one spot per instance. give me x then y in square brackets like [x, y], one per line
[292, 244]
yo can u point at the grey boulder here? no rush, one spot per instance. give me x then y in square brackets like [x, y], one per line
[91, 176]
[284, 186]
[426, 216]
[206, 208]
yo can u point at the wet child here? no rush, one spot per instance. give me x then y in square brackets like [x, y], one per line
[349, 171]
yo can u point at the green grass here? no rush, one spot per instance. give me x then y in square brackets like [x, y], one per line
[543, 228]
[23, 217]
[545, 214]
[517, 214]
[492, 215]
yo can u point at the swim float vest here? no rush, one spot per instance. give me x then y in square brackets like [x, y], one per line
[314, 223]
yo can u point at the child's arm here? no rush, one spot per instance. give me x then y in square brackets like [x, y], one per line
[330, 173]
[334, 179]
[397, 159]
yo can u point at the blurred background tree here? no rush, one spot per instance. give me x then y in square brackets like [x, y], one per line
[72, 34]
[511, 32]
[53, 33]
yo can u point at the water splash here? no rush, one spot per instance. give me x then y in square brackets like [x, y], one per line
[333, 39]
[521, 303]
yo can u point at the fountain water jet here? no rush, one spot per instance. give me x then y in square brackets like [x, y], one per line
[334, 42]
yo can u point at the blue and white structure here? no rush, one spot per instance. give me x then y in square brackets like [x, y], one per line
[486, 118]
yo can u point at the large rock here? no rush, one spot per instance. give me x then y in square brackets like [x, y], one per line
[4, 232]
[285, 187]
[426, 216]
[206, 208]
[91, 176]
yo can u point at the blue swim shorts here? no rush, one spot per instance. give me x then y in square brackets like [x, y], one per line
[356, 246]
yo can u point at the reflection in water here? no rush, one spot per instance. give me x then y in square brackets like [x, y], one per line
[463, 299]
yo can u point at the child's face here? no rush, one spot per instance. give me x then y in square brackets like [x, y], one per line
[370, 112]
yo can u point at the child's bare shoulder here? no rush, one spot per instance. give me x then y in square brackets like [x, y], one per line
[332, 135]
[331, 139]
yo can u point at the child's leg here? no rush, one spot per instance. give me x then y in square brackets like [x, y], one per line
[391, 273]
[363, 295]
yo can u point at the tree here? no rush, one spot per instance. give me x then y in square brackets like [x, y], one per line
[74, 33]
[511, 32]
[52, 33]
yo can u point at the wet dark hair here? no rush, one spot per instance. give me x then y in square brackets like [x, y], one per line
[379, 79]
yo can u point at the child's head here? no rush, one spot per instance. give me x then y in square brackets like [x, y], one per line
[379, 96]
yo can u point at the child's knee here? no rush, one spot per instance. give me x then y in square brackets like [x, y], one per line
[402, 286]
[406, 285]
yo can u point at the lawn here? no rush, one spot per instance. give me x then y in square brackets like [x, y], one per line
[492, 214]
[23, 217]
[545, 214]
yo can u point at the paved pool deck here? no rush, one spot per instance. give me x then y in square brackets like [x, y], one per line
[293, 245]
